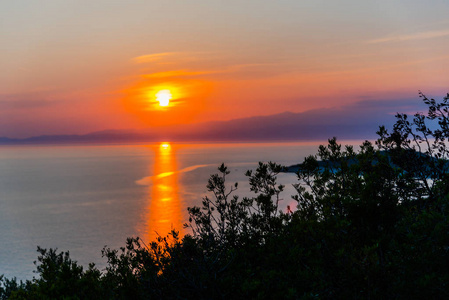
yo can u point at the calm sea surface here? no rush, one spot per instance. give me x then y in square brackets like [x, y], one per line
[81, 198]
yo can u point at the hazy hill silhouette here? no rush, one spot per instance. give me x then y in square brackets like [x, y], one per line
[350, 122]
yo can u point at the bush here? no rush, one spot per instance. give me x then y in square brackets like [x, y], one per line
[370, 223]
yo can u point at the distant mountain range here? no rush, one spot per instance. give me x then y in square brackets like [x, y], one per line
[311, 125]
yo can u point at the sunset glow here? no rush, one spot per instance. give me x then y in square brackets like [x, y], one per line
[115, 114]
[163, 97]
[179, 69]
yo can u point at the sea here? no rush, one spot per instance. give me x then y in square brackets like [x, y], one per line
[82, 198]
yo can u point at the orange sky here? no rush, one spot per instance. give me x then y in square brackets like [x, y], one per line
[77, 67]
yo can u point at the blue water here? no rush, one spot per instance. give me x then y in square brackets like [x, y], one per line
[81, 198]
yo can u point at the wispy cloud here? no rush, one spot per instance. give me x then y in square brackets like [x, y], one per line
[410, 37]
[168, 57]
[188, 73]
[247, 66]
[168, 65]
[25, 101]
[154, 57]
[178, 73]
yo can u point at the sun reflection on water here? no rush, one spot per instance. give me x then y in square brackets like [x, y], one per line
[164, 205]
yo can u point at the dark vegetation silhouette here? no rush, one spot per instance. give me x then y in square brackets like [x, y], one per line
[369, 224]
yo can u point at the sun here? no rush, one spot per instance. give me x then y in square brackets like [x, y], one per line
[163, 96]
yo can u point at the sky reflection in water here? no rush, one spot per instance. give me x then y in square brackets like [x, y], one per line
[163, 211]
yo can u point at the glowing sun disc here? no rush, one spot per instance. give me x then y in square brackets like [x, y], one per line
[163, 97]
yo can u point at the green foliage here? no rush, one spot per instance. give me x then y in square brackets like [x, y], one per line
[420, 148]
[371, 223]
[60, 278]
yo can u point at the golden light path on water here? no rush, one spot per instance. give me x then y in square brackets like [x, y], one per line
[163, 212]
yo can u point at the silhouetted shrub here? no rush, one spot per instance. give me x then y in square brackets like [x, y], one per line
[371, 223]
